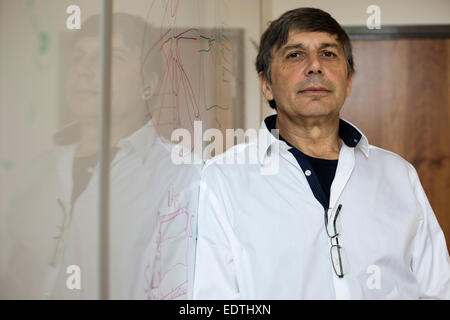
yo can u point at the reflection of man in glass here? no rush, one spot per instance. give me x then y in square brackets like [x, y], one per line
[151, 199]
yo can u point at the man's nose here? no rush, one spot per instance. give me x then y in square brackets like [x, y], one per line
[313, 67]
[87, 67]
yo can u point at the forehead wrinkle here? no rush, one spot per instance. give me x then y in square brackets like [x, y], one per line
[328, 45]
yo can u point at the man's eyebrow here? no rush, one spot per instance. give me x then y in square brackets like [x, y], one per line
[293, 46]
[328, 45]
[301, 46]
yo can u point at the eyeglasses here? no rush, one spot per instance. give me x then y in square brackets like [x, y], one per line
[338, 257]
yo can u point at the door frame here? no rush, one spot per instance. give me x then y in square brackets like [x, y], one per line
[437, 31]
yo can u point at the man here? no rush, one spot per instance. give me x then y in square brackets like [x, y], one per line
[341, 219]
[152, 201]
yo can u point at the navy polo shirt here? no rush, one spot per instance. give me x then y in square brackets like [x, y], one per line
[320, 172]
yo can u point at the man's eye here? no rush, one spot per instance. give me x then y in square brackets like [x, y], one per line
[329, 54]
[293, 55]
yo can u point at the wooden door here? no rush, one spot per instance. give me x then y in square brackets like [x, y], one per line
[400, 100]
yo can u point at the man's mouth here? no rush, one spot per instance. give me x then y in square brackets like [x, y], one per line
[315, 90]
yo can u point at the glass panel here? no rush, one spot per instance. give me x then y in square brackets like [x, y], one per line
[176, 65]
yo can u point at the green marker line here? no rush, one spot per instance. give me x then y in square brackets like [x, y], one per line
[226, 69]
[223, 56]
[43, 42]
[228, 49]
[6, 164]
[209, 43]
[217, 106]
[225, 37]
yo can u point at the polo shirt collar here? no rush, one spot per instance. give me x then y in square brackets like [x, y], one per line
[349, 133]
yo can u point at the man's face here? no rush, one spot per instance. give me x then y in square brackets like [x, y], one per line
[309, 76]
[83, 79]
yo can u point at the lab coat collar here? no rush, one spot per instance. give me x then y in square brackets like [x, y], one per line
[140, 140]
[267, 142]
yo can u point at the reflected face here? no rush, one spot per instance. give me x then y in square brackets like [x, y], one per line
[309, 75]
[84, 75]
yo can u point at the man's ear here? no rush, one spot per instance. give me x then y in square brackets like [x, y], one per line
[349, 85]
[266, 88]
[151, 85]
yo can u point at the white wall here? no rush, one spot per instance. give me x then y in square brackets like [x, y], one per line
[394, 12]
